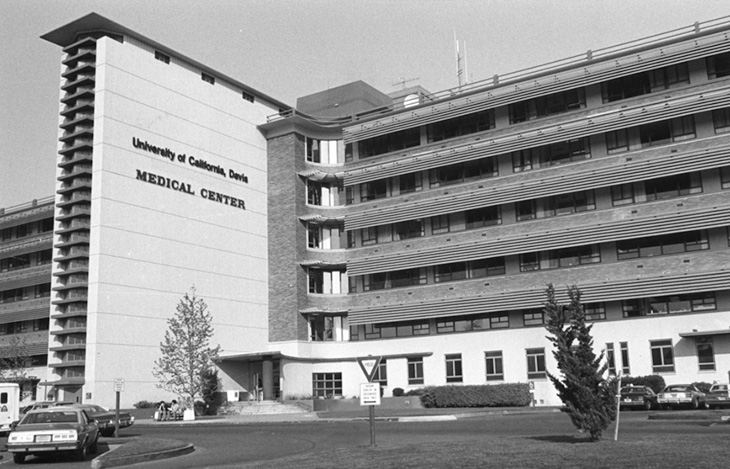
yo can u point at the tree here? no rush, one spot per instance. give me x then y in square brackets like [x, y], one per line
[186, 356]
[589, 399]
[15, 360]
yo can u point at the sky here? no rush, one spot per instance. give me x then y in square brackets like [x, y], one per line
[292, 48]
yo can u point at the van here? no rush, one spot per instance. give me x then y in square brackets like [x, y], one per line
[9, 405]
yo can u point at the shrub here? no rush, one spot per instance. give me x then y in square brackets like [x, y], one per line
[397, 392]
[497, 395]
[145, 405]
[416, 392]
[655, 382]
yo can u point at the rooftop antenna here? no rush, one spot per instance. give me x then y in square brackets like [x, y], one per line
[402, 81]
[462, 74]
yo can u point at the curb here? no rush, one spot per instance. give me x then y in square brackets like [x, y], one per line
[108, 459]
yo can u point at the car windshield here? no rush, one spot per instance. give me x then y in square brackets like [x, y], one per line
[632, 389]
[50, 417]
[719, 387]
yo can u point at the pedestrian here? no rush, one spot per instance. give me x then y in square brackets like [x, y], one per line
[162, 410]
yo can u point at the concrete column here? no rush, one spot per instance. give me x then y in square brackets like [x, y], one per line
[268, 378]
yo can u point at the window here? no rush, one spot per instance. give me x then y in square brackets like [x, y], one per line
[617, 141]
[611, 359]
[495, 370]
[390, 142]
[409, 183]
[485, 216]
[247, 96]
[162, 57]
[470, 269]
[316, 281]
[565, 204]
[374, 190]
[326, 385]
[322, 328]
[207, 78]
[462, 125]
[718, 66]
[354, 333]
[547, 105]
[463, 172]
[526, 210]
[622, 194]
[673, 130]
[673, 304]
[663, 245]
[645, 82]
[394, 279]
[407, 229]
[705, 353]
[536, 363]
[559, 258]
[369, 235]
[453, 368]
[381, 373]
[594, 311]
[673, 186]
[725, 177]
[415, 370]
[533, 318]
[721, 119]
[549, 155]
[397, 329]
[440, 224]
[625, 368]
[662, 356]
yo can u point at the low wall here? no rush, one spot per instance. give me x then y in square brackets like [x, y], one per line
[332, 405]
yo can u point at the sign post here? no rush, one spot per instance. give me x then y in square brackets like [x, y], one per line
[370, 392]
[118, 388]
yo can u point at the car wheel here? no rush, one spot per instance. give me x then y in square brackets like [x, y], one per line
[18, 458]
[94, 448]
[81, 453]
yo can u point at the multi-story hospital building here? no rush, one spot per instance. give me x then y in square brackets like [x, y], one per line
[416, 226]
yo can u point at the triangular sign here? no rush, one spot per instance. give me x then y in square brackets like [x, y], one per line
[368, 365]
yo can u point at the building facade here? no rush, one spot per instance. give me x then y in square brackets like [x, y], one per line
[26, 243]
[419, 227]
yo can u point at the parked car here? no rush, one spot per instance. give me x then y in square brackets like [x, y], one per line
[718, 396]
[106, 418]
[638, 397]
[681, 395]
[43, 405]
[54, 430]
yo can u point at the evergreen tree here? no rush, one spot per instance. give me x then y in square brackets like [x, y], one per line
[589, 399]
[186, 356]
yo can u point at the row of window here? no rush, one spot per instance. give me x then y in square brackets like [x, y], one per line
[27, 229]
[544, 106]
[652, 246]
[328, 385]
[563, 204]
[20, 327]
[26, 293]
[652, 306]
[24, 261]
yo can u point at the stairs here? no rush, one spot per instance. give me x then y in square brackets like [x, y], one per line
[262, 408]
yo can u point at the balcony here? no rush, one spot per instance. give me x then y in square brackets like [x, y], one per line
[77, 118]
[78, 105]
[75, 198]
[74, 330]
[77, 183]
[68, 364]
[76, 144]
[76, 131]
[78, 92]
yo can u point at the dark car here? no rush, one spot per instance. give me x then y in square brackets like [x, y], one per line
[718, 396]
[54, 430]
[106, 418]
[687, 395]
[638, 397]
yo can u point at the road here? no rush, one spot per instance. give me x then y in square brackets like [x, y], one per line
[223, 445]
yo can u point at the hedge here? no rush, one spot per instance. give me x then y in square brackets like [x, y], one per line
[497, 395]
[655, 382]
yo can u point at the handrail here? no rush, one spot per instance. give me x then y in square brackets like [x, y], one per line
[26, 205]
[591, 55]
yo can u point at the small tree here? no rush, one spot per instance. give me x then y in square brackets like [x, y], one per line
[186, 355]
[589, 399]
[15, 360]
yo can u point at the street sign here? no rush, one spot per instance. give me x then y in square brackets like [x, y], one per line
[118, 384]
[369, 393]
[369, 365]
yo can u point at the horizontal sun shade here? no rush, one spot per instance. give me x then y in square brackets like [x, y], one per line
[651, 225]
[511, 91]
[620, 172]
[602, 121]
[535, 298]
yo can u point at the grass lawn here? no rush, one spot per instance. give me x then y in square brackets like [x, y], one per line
[681, 449]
